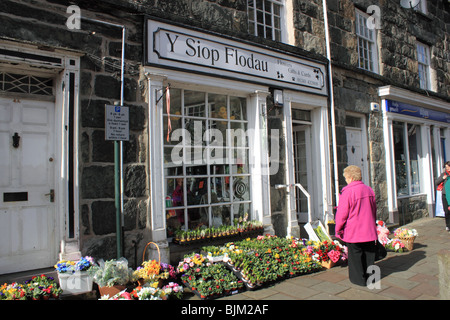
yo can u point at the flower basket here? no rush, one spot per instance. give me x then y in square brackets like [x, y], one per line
[142, 281]
[74, 283]
[328, 264]
[408, 242]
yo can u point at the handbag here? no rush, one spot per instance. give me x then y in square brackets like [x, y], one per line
[380, 251]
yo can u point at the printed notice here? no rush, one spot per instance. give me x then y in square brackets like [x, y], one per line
[117, 123]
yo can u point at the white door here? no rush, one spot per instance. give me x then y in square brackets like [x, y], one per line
[27, 181]
[355, 154]
[303, 169]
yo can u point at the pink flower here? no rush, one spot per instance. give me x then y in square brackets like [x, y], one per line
[334, 255]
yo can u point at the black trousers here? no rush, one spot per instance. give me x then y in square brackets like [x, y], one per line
[446, 211]
[360, 256]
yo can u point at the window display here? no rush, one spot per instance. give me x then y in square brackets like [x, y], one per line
[206, 160]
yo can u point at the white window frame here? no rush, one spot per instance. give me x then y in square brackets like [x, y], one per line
[423, 60]
[258, 152]
[420, 165]
[253, 11]
[366, 43]
[207, 204]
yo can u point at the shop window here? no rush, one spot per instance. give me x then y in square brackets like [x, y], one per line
[206, 160]
[407, 158]
[423, 58]
[367, 48]
[265, 18]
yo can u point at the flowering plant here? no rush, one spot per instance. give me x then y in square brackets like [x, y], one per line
[148, 293]
[41, 287]
[149, 271]
[382, 232]
[173, 290]
[405, 233]
[83, 264]
[326, 250]
[395, 245]
[13, 291]
[122, 295]
[191, 262]
[167, 271]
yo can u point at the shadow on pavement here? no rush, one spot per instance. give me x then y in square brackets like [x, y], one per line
[399, 262]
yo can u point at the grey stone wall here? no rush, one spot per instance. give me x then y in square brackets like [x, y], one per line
[354, 88]
[42, 22]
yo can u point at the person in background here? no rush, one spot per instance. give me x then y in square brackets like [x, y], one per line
[356, 224]
[441, 184]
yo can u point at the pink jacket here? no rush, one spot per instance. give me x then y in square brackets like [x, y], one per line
[356, 214]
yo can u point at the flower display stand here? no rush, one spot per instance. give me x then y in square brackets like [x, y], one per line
[75, 283]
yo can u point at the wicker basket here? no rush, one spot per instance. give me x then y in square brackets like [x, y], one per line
[408, 242]
[157, 248]
[141, 282]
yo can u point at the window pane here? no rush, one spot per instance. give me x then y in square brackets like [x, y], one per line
[241, 190]
[221, 215]
[197, 217]
[240, 163]
[173, 156]
[238, 108]
[240, 210]
[197, 191]
[200, 169]
[217, 106]
[400, 159]
[220, 189]
[239, 133]
[194, 104]
[414, 156]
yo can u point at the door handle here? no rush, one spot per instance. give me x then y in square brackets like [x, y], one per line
[51, 194]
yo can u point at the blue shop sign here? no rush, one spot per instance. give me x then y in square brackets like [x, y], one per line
[415, 111]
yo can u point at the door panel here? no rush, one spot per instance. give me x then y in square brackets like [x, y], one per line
[27, 214]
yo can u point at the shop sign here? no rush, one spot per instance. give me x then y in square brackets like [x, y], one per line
[183, 48]
[416, 111]
[117, 123]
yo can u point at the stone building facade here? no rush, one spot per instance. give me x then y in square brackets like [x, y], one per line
[68, 72]
[399, 36]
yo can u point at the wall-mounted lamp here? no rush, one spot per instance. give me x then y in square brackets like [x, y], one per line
[278, 98]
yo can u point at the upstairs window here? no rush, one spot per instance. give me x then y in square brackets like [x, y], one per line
[367, 49]
[423, 58]
[264, 18]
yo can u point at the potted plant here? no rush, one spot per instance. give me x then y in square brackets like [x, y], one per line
[111, 276]
[74, 276]
[13, 291]
[40, 287]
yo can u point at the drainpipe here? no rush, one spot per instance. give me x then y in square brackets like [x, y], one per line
[118, 150]
[333, 117]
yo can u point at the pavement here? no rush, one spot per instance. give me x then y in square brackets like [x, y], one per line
[412, 275]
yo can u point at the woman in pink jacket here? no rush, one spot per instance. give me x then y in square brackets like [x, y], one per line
[356, 224]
